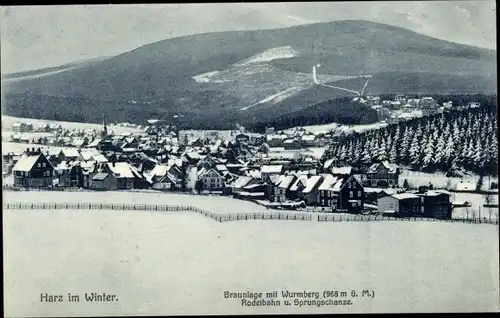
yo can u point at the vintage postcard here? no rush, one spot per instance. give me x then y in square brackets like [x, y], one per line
[249, 158]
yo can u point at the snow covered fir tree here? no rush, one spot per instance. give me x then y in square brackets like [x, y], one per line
[452, 142]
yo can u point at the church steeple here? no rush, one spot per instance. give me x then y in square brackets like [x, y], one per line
[105, 129]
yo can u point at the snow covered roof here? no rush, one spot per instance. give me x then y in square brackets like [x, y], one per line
[194, 155]
[466, 186]
[63, 166]
[405, 196]
[242, 181]
[276, 149]
[70, 152]
[342, 170]
[276, 136]
[26, 162]
[312, 182]
[328, 163]
[89, 165]
[78, 142]
[123, 170]
[373, 190]
[275, 178]
[389, 166]
[251, 194]
[204, 171]
[286, 182]
[99, 158]
[337, 185]
[272, 169]
[314, 152]
[252, 186]
[221, 167]
[175, 161]
[434, 193]
[100, 176]
[201, 172]
[86, 155]
[308, 137]
[300, 179]
[328, 181]
[254, 173]
[159, 170]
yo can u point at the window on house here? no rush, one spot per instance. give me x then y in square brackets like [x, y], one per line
[44, 164]
[349, 185]
[39, 165]
[351, 194]
[359, 193]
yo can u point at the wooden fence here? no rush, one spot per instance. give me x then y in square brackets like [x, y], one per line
[156, 207]
[236, 216]
[369, 218]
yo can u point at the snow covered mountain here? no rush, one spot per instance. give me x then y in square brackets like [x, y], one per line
[218, 79]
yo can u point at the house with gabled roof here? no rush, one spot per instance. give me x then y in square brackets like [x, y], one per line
[400, 205]
[341, 192]
[241, 182]
[68, 154]
[295, 191]
[282, 188]
[163, 177]
[206, 162]
[268, 170]
[104, 181]
[79, 142]
[33, 170]
[212, 180]
[126, 175]
[311, 192]
[383, 175]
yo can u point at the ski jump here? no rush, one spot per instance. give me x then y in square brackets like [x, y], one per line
[316, 81]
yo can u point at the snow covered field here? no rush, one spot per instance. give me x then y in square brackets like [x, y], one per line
[347, 129]
[440, 180]
[180, 263]
[8, 121]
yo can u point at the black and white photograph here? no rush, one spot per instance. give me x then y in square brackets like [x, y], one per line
[249, 158]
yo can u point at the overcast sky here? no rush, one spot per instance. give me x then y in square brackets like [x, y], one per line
[36, 37]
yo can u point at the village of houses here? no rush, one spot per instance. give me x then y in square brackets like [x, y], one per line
[278, 169]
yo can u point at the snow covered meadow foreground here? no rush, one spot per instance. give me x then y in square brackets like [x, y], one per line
[181, 262]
